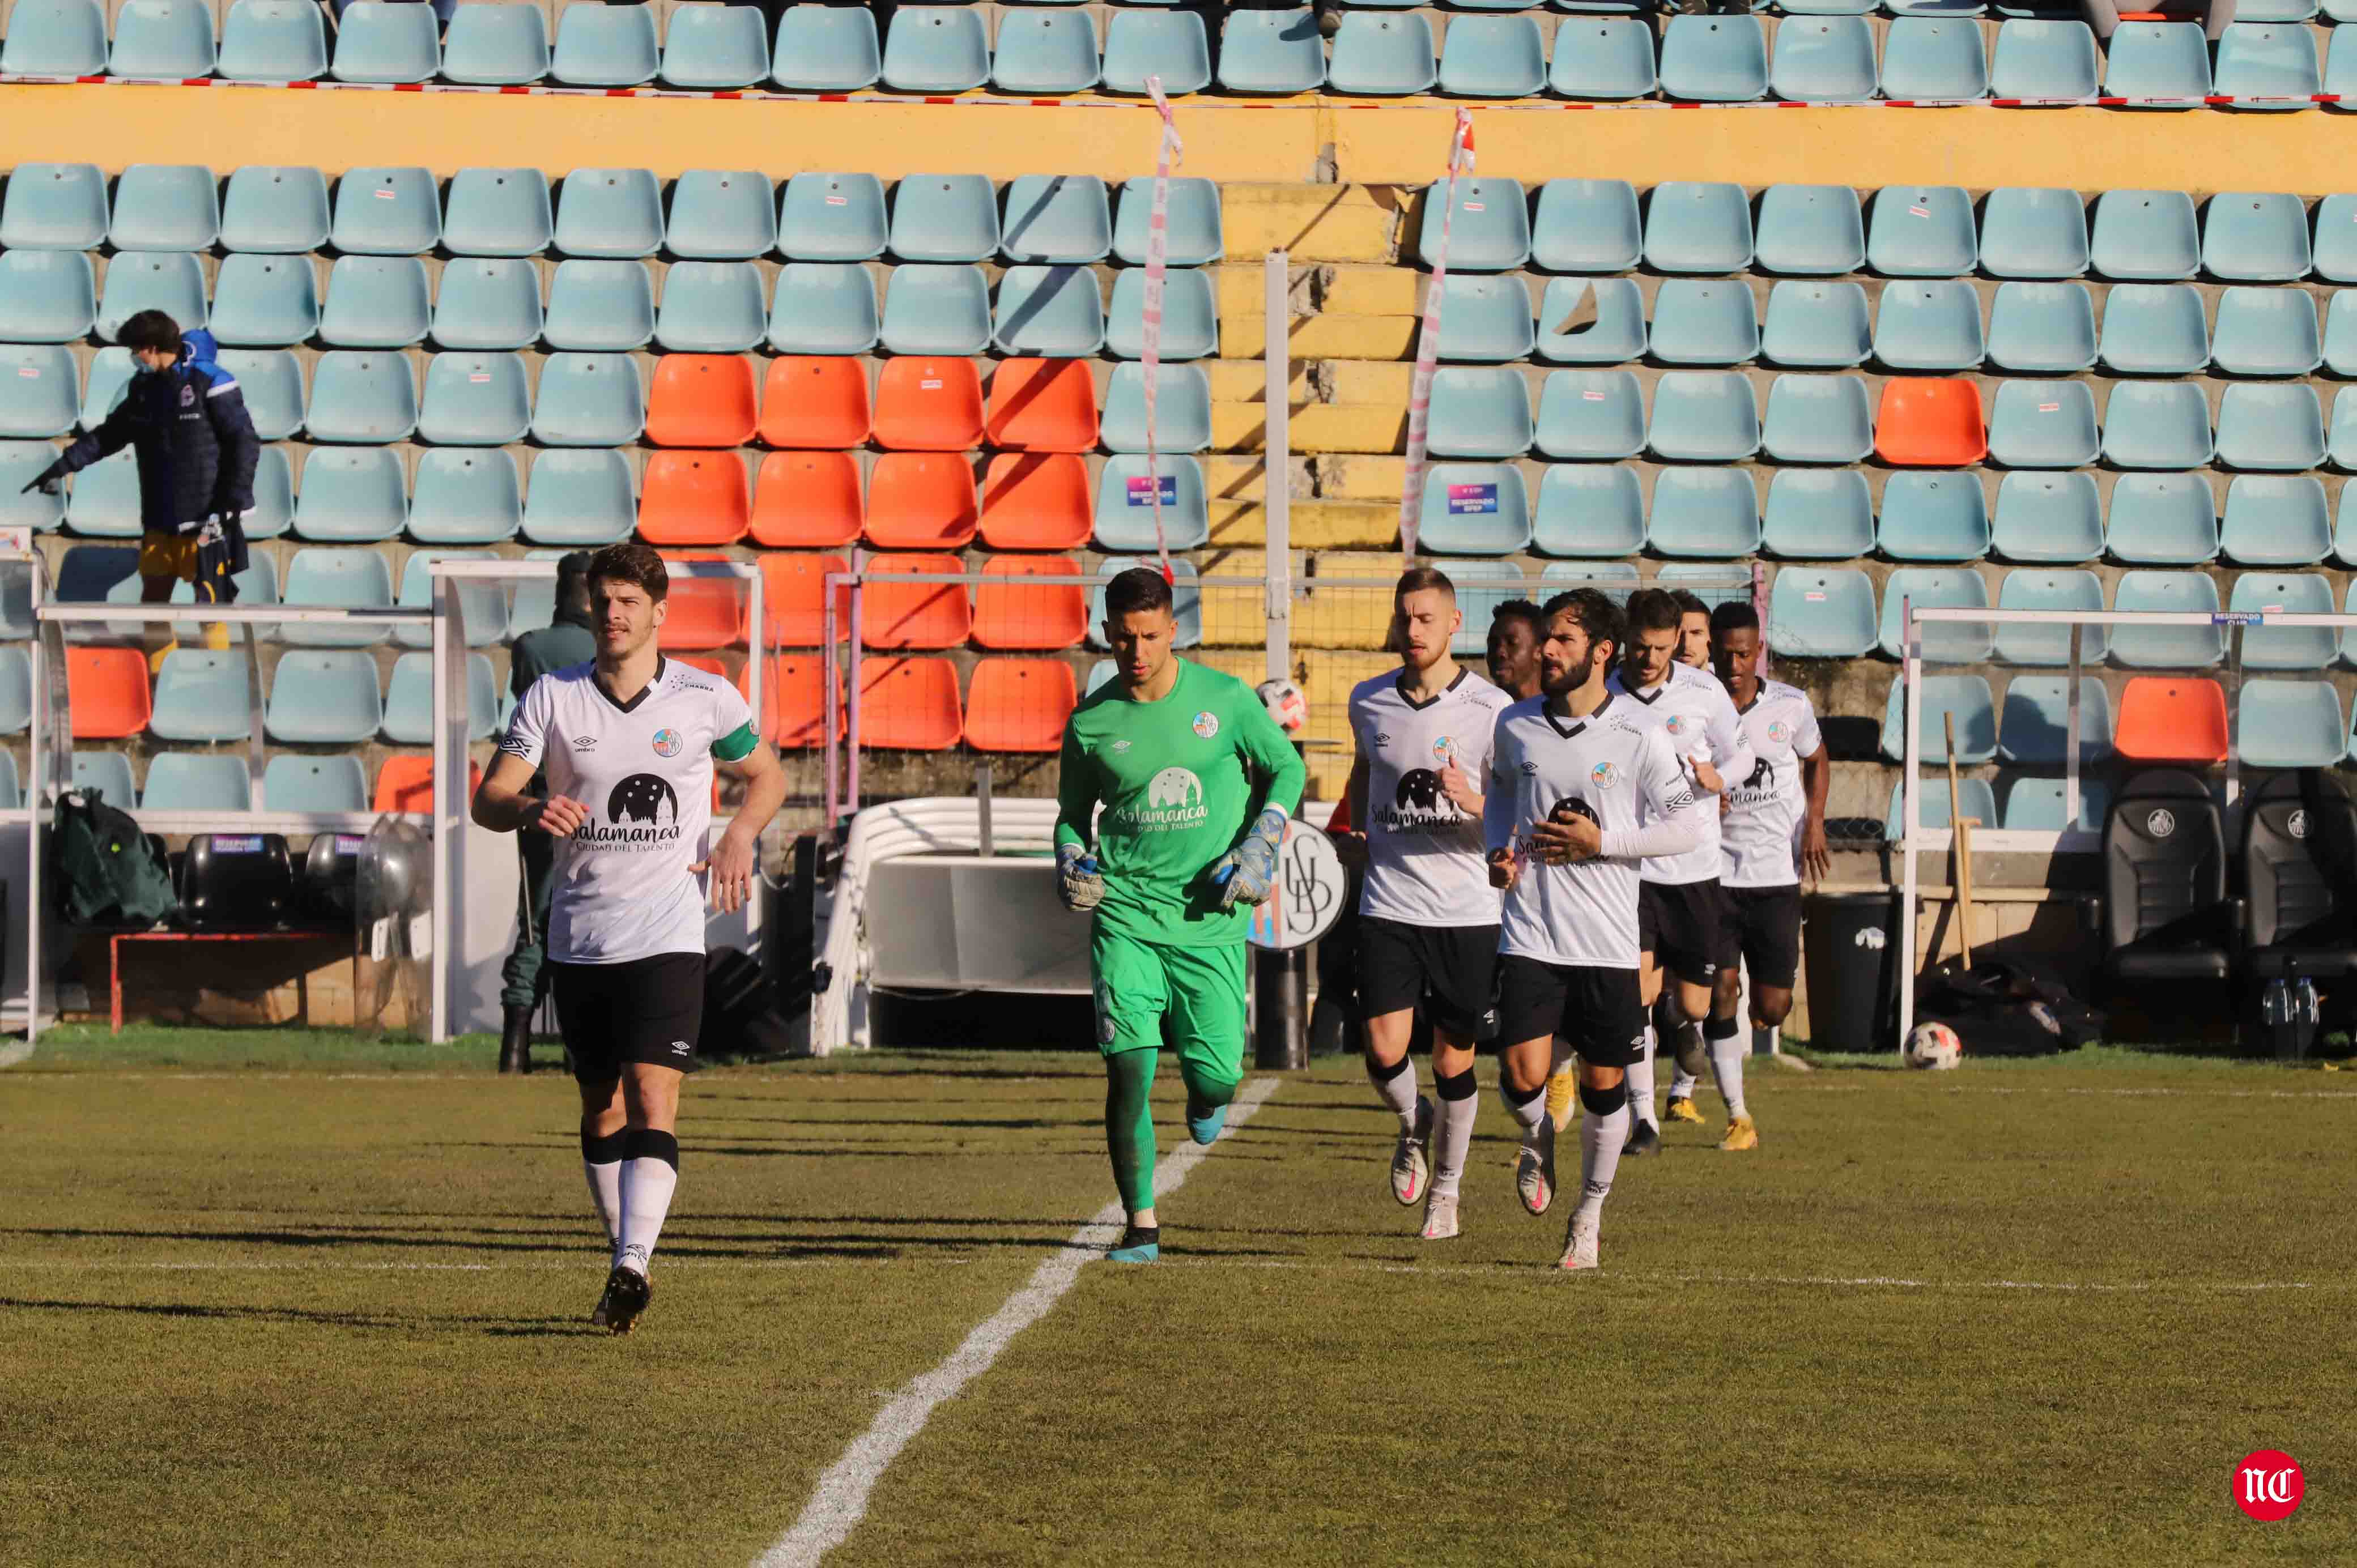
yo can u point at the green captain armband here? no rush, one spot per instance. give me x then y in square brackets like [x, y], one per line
[736, 744]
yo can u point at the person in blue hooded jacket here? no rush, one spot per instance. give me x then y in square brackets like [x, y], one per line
[185, 421]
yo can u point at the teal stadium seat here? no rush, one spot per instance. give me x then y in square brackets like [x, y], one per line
[350, 579]
[475, 400]
[714, 48]
[936, 309]
[2049, 644]
[936, 49]
[55, 37]
[825, 307]
[2341, 441]
[2275, 428]
[2344, 538]
[1588, 416]
[2033, 233]
[605, 307]
[386, 212]
[1820, 612]
[276, 209]
[605, 46]
[2306, 649]
[292, 783]
[496, 45]
[1124, 512]
[2167, 647]
[1045, 53]
[1485, 319]
[1715, 60]
[104, 502]
[1053, 311]
[2048, 516]
[103, 387]
[2159, 425]
[1963, 698]
[1479, 412]
[1182, 408]
[2289, 724]
[170, 281]
[197, 781]
[272, 383]
[1587, 226]
[611, 214]
[944, 217]
[1474, 509]
[1821, 514]
[1823, 59]
[586, 400]
[46, 296]
[711, 307]
[2255, 237]
[1616, 336]
[1056, 221]
[2163, 520]
[376, 302]
[1958, 9]
[1703, 513]
[1490, 232]
[54, 207]
[2040, 57]
[168, 38]
[1493, 57]
[487, 302]
[1168, 44]
[1193, 234]
[2042, 328]
[1933, 58]
[364, 396]
[1693, 225]
[1816, 326]
[1590, 510]
[273, 40]
[2333, 250]
[1604, 59]
[381, 41]
[353, 495]
[108, 773]
[2043, 424]
[2034, 727]
[1818, 419]
[1937, 587]
[579, 499]
[534, 602]
[1705, 321]
[88, 574]
[1272, 52]
[2276, 520]
[482, 606]
[2145, 236]
[1191, 316]
[201, 695]
[409, 698]
[274, 496]
[2155, 329]
[2267, 332]
[1931, 515]
[2341, 74]
[2262, 60]
[1704, 416]
[1828, 8]
[826, 48]
[2277, 11]
[1930, 325]
[21, 508]
[15, 714]
[1810, 230]
[2157, 59]
[166, 207]
[722, 215]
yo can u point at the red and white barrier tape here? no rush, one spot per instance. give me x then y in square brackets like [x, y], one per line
[1170, 150]
[1428, 346]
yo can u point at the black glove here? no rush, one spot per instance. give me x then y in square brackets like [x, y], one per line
[48, 481]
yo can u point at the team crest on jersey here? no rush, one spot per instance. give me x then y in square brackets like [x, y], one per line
[1779, 731]
[1444, 750]
[1604, 775]
[1207, 723]
[1676, 724]
[187, 397]
[667, 742]
[1174, 800]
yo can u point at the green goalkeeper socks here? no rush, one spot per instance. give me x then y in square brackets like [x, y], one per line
[1129, 1125]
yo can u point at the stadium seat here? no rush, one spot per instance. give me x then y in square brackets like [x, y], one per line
[1935, 587]
[605, 46]
[2276, 520]
[496, 45]
[488, 304]
[911, 704]
[711, 307]
[1822, 515]
[2043, 424]
[2296, 831]
[1168, 44]
[1823, 59]
[1963, 698]
[600, 307]
[831, 217]
[1125, 496]
[793, 699]
[2168, 718]
[1589, 512]
[266, 301]
[108, 773]
[197, 781]
[1271, 52]
[1043, 405]
[1485, 319]
[2254, 237]
[405, 782]
[1587, 226]
[2273, 428]
[706, 612]
[1933, 325]
[1976, 796]
[1057, 310]
[292, 783]
[1817, 419]
[721, 215]
[2043, 328]
[1933, 58]
[2033, 233]
[386, 212]
[1033, 501]
[380, 41]
[1703, 513]
[324, 697]
[2035, 727]
[904, 615]
[1473, 509]
[103, 500]
[608, 214]
[1019, 704]
[1930, 424]
[586, 400]
[2048, 516]
[466, 497]
[794, 599]
[826, 48]
[2255, 60]
[2334, 252]
[936, 49]
[46, 296]
[1713, 60]
[2145, 236]
[2163, 520]
[274, 496]
[2267, 332]
[1056, 221]
[1039, 616]
[1186, 601]
[921, 500]
[1695, 226]
[2167, 647]
[1585, 415]
[1932, 516]
[927, 405]
[373, 302]
[2025, 642]
[201, 695]
[1820, 326]
[825, 307]
[2306, 649]
[2039, 58]
[2155, 329]
[1704, 416]
[354, 495]
[409, 701]
[109, 377]
[1705, 321]
[168, 38]
[703, 400]
[1820, 612]
[23, 508]
[365, 396]
[2157, 59]
[580, 499]
[1045, 53]
[1616, 336]
[806, 501]
[815, 402]
[171, 282]
[715, 48]
[1810, 230]
[1602, 58]
[55, 37]
[1493, 57]
[2035, 805]
[1921, 231]
[936, 309]
[107, 688]
[2159, 425]
[694, 499]
[2341, 441]
[1479, 412]
[944, 217]
[1194, 233]
[54, 207]
[1191, 316]
[166, 207]
[1490, 232]
[273, 40]
[1182, 408]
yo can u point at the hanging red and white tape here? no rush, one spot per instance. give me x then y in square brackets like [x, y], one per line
[1158, 246]
[1428, 346]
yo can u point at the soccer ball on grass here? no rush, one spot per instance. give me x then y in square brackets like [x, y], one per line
[1933, 1045]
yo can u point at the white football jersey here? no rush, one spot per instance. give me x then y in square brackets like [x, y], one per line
[1764, 811]
[1621, 775]
[1425, 857]
[623, 889]
[1698, 717]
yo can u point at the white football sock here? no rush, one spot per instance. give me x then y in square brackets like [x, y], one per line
[1727, 1054]
[1527, 1113]
[1641, 1082]
[1460, 1103]
[649, 1177]
[1395, 1087]
[1601, 1138]
[1682, 1084]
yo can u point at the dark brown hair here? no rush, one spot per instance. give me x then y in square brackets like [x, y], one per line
[630, 562]
[1416, 579]
[1652, 609]
[152, 330]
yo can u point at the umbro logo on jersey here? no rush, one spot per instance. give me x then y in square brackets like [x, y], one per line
[1529, 769]
[1121, 746]
[1382, 738]
[680, 1048]
[585, 742]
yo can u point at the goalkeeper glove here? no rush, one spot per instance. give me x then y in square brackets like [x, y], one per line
[1078, 883]
[1247, 873]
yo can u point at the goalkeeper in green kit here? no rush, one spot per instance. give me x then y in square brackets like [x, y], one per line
[1177, 753]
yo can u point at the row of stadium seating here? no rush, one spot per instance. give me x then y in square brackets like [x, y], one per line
[210, 781]
[2278, 723]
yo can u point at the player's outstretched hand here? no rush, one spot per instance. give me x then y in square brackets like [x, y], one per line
[1707, 777]
[1078, 883]
[1505, 867]
[732, 863]
[1247, 873]
[561, 816]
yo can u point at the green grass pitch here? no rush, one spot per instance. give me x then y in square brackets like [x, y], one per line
[269, 1299]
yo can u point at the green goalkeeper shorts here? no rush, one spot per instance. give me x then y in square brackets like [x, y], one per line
[1198, 990]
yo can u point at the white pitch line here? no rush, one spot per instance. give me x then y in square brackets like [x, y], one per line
[840, 1499]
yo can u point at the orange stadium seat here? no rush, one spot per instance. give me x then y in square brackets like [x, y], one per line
[705, 663]
[405, 783]
[705, 612]
[1019, 704]
[794, 599]
[815, 402]
[921, 500]
[807, 501]
[914, 615]
[793, 699]
[1043, 405]
[1036, 500]
[927, 405]
[695, 497]
[1931, 423]
[107, 688]
[909, 705]
[1041, 615]
[2172, 718]
[702, 400]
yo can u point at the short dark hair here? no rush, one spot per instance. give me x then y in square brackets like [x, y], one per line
[631, 561]
[1597, 616]
[1733, 615]
[1652, 609]
[573, 564]
[1416, 579]
[152, 330]
[1689, 603]
[1140, 588]
[1522, 610]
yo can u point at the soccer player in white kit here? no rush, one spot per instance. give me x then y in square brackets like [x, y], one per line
[1681, 914]
[628, 742]
[1577, 796]
[1428, 915]
[1772, 834]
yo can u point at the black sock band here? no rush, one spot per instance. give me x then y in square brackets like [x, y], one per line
[604, 1150]
[1605, 1102]
[1519, 1100]
[1455, 1086]
[1721, 1030]
[646, 1143]
[1386, 1074]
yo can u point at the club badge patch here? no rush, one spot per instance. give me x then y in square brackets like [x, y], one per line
[667, 742]
[1207, 723]
[1604, 775]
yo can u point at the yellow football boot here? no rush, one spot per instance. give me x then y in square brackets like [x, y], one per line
[1682, 1109]
[1561, 1092]
[1740, 1134]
